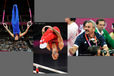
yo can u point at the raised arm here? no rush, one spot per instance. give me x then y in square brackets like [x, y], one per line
[28, 26]
[6, 27]
[43, 30]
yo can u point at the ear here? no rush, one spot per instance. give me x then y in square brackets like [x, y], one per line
[84, 27]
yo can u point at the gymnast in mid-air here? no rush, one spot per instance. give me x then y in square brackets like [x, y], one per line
[52, 40]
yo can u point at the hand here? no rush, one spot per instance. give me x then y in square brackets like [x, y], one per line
[29, 23]
[108, 54]
[71, 51]
[43, 29]
[99, 52]
[105, 53]
[5, 25]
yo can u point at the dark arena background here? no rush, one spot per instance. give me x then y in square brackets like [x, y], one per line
[43, 56]
[7, 43]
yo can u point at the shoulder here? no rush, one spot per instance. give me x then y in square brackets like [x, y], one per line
[81, 35]
[99, 36]
[74, 24]
[80, 39]
[105, 31]
[96, 30]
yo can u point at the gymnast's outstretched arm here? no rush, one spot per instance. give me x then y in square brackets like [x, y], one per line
[43, 30]
[6, 27]
[28, 26]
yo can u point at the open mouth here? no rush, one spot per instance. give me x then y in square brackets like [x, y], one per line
[86, 30]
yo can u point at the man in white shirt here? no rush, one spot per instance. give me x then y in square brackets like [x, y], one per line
[72, 28]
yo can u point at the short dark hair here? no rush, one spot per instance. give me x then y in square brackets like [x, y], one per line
[97, 22]
[73, 19]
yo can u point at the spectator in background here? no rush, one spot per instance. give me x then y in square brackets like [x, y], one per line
[112, 33]
[72, 32]
[100, 24]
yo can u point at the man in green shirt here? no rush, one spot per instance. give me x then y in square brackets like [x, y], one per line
[100, 24]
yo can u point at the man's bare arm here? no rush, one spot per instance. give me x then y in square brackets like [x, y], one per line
[73, 49]
[6, 27]
[22, 34]
[43, 30]
[28, 26]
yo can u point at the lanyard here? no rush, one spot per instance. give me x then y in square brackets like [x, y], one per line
[88, 40]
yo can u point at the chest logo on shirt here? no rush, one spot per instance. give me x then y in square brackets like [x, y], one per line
[85, 42]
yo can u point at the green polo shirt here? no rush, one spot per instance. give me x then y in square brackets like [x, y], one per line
[108, 39]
